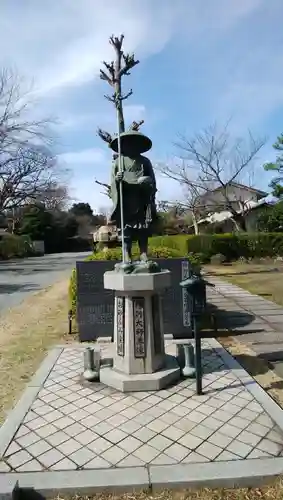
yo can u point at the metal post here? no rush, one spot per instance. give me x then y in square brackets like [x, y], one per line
[121, 169]
[70, 318]
[198, 367]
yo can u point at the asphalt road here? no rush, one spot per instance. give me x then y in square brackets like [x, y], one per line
[20, 278]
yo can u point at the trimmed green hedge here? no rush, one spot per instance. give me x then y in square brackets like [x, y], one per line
[234, 246]
[12, 246]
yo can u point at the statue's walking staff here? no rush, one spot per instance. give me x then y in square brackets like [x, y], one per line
[121, 171]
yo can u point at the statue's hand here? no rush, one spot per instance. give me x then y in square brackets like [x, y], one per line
[119, 176]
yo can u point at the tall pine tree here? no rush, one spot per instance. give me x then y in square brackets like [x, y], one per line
[277, 166]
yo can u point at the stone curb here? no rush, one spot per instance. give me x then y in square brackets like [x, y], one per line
[9, 488]
[84, 482]
[233, 474]
[14, 419]
[266, 401]
[45, 368]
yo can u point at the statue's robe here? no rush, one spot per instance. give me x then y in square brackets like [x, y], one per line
[138, 199]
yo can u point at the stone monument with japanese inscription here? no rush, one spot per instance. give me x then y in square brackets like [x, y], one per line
[139, 359]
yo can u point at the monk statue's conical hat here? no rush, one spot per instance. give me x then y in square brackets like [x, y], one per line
[132, 141]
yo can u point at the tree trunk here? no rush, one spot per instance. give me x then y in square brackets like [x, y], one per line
[196, 228]
[118, 93]
[240, 223]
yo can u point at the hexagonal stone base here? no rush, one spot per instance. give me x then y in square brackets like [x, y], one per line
[142, 382]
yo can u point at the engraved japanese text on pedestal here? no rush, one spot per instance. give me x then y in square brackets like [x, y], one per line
[120, 326]
[139, 326]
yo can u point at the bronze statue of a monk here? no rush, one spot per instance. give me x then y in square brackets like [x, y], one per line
[139, 188]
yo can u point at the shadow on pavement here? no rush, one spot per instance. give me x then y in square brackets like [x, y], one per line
[12, 288]
[224, 323]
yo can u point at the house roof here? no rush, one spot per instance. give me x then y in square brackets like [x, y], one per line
[248, 188]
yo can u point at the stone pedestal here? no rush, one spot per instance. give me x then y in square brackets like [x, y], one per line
[139, 361]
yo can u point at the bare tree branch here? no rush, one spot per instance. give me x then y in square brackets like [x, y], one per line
[212, 163]
[27, 166]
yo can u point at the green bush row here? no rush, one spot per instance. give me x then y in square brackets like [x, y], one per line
[234, 246]
[15, 246]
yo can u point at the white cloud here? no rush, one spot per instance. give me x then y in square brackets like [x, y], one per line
[92, 156]
[235, 46]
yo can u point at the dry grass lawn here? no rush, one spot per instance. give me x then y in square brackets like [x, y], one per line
[264, 279]
[271, 492]
[26, 333]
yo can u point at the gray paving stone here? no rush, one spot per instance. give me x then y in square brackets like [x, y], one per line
[239, 448]
[201, 431]
[131, 461]
[190, 441]
[82, 456]
[117, 420]
[99, 445]
[230, 430]
[69, 446]
[160, 442]
[22, 431]
[209, 450]
[270, 447]
[57, 438]
[170, 418]
[13, 448]
[257, 429]
[27, 439]
[212, 423]
[116, 435]
[114, 455]
[265, 420]
[249, 438]
[146, 453]
[103, 428]
[157, 425]
[19, 458]
[173, 433]
[46, 430]
[256, 453]
[275, 435]
[177, 451]
[74, 429]
[4, 467]
[38, 448]
[219, 439]
[227, 456]
[50, 457]
[91, 421]
[130, 444]
[194, 457]
[163, 459]
[97, 463]
[32, 466]
[130, 427]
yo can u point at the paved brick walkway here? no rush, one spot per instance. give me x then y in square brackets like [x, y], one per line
[257, 322]
[70, 426]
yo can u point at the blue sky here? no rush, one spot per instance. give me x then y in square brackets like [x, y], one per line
[201, 61]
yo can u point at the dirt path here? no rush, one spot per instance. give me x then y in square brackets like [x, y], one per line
[26, 332]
